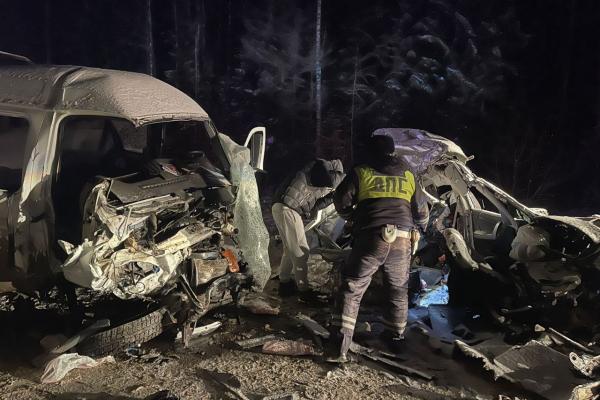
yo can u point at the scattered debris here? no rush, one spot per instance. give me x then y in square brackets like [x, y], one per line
[436, 295]
[255, 342]
[226, 381]
[358, 349]
[588, 391]
[148, 356]
[50, 342]
[313, 326]
[162, 395]
[202, 330]
[288, 348]
[377, 356]
[260, 306]
[586, 364]
[54, 345]
[59, 367]
[569, 340]
[448, 325]
[534, 366]
[282, 396]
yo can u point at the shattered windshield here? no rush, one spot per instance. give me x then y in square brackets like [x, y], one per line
[115, 146]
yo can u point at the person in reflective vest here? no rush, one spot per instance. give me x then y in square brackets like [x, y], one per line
[383, 201]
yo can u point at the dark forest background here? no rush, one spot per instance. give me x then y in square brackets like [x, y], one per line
[516, 83]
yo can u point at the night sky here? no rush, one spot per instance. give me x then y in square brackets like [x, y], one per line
[515, 83]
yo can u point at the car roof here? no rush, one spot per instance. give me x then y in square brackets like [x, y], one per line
[136, 97]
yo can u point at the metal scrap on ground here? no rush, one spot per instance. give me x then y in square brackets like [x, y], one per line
[536, 367]
[586, 364]
[255, 342]
[377, 356]
[313, 326]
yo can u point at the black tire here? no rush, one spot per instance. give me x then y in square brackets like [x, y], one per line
[120, 337]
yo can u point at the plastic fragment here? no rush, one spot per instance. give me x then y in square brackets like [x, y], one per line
[203, 330]
[59, 367]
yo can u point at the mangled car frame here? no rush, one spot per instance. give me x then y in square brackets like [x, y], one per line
[118, 182]
[519, 263]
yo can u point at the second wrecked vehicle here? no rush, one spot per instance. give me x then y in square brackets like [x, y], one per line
[121, 183]
[519, 263]
[513, 262]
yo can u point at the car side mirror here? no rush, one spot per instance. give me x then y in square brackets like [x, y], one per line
[256, 142]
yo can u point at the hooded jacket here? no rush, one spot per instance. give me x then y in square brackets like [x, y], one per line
[298, 193]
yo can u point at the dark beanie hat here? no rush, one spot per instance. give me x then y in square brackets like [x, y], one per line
[319, 175]
[381, 146]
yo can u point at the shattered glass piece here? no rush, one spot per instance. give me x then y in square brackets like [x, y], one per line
[253, 235]
[590, 226]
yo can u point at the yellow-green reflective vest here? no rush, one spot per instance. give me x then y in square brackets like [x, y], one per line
[372, 185]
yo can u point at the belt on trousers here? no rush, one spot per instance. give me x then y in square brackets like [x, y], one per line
[389, 233]
[402, 234]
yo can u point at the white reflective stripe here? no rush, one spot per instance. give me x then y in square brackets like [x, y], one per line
[349, 320]
[348, 325]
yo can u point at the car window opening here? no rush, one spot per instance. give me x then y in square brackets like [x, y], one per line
[13, 140]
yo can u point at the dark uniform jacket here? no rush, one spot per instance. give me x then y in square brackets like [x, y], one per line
[390, 194]
[297, 193]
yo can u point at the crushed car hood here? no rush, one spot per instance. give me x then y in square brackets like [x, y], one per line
[117, 256]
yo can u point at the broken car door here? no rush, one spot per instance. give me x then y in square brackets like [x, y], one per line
[256, 142]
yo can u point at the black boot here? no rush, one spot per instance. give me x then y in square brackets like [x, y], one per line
[394, 342]
[337, 351]
[311, 297]
[287, 289]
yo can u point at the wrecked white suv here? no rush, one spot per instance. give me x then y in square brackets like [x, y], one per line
[121, 183]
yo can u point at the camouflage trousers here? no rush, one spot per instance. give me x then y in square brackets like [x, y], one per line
[369, 253]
